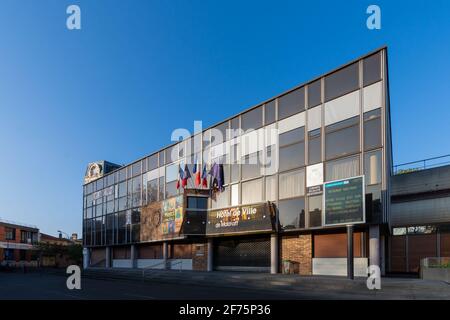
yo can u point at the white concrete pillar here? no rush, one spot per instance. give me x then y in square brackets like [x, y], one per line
[166, 254]
[274, 255]
[210, 255]
[86, 258]
[133, 256]
[374, 245]
[108, 257]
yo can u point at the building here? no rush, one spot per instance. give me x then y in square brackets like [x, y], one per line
[284, 161]
[420, 215]
[17, 242]
[60, 240]
[56, 251]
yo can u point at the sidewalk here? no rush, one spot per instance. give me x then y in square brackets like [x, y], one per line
[312, 287]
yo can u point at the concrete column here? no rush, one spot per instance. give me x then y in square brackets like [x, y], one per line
[166, 254]
[108, 257]
[374, 246]
[86, 258]
[133, 256]
[274, 255]
[210, 255]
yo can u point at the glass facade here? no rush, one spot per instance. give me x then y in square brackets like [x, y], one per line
[352, 146]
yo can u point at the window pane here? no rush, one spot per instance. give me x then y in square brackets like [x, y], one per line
[252, 191]
[221, 199]
[342, 168]
[269, 112]
[251, 166]
[314, 147]
[172, 154]
[315, 211]
[110, 179]
[314, 94]
[171, 189]
[234, 132]
[122, 189]
[341, 142]
[252, 119]
[292, 184]
[153, 162]
[271, 188]
[342, 82]
[99, 184]
[291, 213]
[219, 134]
[162, 160]
[292, 156]
[152, 190]
[206, 139]
[172, 172]
[372, 167]
[372, 129]
[292, 136]
[372, 69]
[291, 103]
[161, 189]
[235, 194]
[136, 168]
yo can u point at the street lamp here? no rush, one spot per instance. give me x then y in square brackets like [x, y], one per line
[60, 232]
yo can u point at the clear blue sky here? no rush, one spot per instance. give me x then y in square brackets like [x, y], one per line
[116, 89]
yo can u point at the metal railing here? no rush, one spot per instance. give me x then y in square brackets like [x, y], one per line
[421, 164]
[165, 263]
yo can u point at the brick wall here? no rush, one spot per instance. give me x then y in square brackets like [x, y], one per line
[200, 256]
[297, 248]
[2, 233]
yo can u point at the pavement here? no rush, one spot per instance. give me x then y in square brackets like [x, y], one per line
[167, 285]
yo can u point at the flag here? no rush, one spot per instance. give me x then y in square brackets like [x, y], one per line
[180, 176]
[217, 177]
[186, 176]
[204, 176]
[196, 172]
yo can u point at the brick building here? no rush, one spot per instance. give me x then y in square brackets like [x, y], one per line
[17, 243]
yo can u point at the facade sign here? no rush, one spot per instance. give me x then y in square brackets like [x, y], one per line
[172, 216]
[314, 190]
[344, 202]
[314, 175]
[240, 219]
[162, 220]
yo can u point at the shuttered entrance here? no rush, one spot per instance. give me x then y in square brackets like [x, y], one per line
[408, 250]
[242, 254]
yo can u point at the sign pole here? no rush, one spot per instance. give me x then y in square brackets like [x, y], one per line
[350, 262]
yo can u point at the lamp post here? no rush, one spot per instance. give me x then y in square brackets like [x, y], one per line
[60, 232]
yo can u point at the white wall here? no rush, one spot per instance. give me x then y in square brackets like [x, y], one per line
[122, 263]
[144, 263]
[338, 266]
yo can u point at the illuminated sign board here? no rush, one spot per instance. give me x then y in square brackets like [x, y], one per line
[239, 219]
[344, 202]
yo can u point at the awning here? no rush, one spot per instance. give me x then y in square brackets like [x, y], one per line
[13, 245]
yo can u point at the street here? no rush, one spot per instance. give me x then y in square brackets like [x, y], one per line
[44, 286]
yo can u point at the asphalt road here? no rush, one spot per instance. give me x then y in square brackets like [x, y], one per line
[45, 286]
[51, 287]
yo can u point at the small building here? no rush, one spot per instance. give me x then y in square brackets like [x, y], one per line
[17, 243]
[420, 216]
